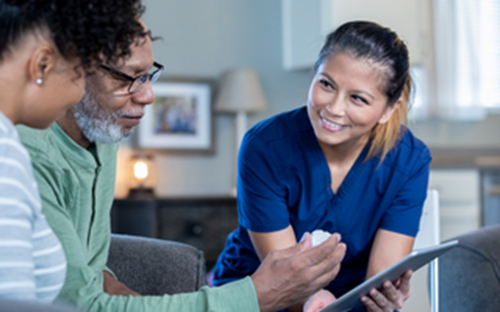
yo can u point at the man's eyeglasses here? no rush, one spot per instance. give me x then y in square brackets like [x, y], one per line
[137, 82]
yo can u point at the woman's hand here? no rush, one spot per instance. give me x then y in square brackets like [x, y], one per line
[319, 300]
[391, 298]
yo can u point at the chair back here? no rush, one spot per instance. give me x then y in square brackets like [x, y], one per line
[428, 235]
[470, 273]
[424, 283]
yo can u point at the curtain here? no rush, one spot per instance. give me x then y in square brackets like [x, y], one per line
[467, 58]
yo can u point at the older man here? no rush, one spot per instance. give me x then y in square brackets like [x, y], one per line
[74, 163]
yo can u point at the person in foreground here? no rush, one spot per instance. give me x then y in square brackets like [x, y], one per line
[44, 57]
[344, 163]
[74, 163]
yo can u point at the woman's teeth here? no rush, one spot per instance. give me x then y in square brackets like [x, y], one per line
[331, 124]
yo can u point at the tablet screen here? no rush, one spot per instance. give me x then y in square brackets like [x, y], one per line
[413, 261]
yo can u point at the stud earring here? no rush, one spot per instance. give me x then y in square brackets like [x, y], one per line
[39, 81]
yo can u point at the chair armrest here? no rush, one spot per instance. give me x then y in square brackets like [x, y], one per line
[156, 267]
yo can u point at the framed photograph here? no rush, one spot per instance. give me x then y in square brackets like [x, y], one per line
[179, 119]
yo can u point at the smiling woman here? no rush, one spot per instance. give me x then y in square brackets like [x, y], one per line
[346, 103]
[345, 163]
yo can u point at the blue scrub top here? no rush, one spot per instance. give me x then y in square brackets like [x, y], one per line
[283, 179]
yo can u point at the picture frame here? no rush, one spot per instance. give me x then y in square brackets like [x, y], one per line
[180, 119]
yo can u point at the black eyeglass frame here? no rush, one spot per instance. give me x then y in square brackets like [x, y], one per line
[151, 77]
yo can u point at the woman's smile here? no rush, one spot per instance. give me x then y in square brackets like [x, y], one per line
[330, 125]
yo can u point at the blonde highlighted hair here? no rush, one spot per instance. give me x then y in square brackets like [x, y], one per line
[383, 137]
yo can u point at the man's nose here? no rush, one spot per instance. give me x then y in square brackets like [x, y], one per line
[144, 95]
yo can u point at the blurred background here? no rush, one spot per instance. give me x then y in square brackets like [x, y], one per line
[203, 39]
[454, 50]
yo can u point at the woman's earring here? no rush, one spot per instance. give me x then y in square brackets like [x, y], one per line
[39, 81]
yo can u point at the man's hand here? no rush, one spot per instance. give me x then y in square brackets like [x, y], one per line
[292, 275]
[392, 296]
[114, 287]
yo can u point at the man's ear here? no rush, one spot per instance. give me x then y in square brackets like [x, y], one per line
[42, 62]
[389, 111]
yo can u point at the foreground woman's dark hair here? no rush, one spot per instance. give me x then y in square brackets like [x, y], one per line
[96, 31]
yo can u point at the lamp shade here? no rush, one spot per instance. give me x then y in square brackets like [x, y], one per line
[240, 91]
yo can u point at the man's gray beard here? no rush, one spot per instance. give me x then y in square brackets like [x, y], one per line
[96, 124]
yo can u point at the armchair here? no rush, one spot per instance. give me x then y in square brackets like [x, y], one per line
[469, 274]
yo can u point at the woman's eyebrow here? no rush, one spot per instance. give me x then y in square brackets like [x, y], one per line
[328, 77]
[364, 92]
[333, 82]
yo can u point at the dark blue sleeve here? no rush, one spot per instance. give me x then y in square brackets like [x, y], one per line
[403, 216]
[261, 189]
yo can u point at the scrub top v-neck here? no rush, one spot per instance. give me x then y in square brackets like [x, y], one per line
[350, 177]
[284, 179]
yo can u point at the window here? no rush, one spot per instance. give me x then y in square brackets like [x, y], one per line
[467, 50]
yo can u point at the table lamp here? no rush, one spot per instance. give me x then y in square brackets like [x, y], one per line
[240, 93]
[143, 180]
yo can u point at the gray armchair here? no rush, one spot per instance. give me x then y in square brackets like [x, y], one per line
[469, 274]
[156, 267]
[148, 266]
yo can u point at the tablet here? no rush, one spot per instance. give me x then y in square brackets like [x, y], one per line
[413, 261]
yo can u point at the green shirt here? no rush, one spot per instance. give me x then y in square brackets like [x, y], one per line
[77, 187]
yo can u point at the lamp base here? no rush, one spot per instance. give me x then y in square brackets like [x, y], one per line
[141, 193]
[241, 128]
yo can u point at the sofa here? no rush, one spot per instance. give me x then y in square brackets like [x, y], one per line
[148, 266]
[166, 267]
[469, 274]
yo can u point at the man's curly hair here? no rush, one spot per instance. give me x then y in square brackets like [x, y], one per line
[96, 31]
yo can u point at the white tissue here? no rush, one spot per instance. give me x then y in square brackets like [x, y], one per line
[319, 236]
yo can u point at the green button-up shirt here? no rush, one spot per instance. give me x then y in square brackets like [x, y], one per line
[77, 186]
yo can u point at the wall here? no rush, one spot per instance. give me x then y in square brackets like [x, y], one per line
[203, 39]
[484, 134]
